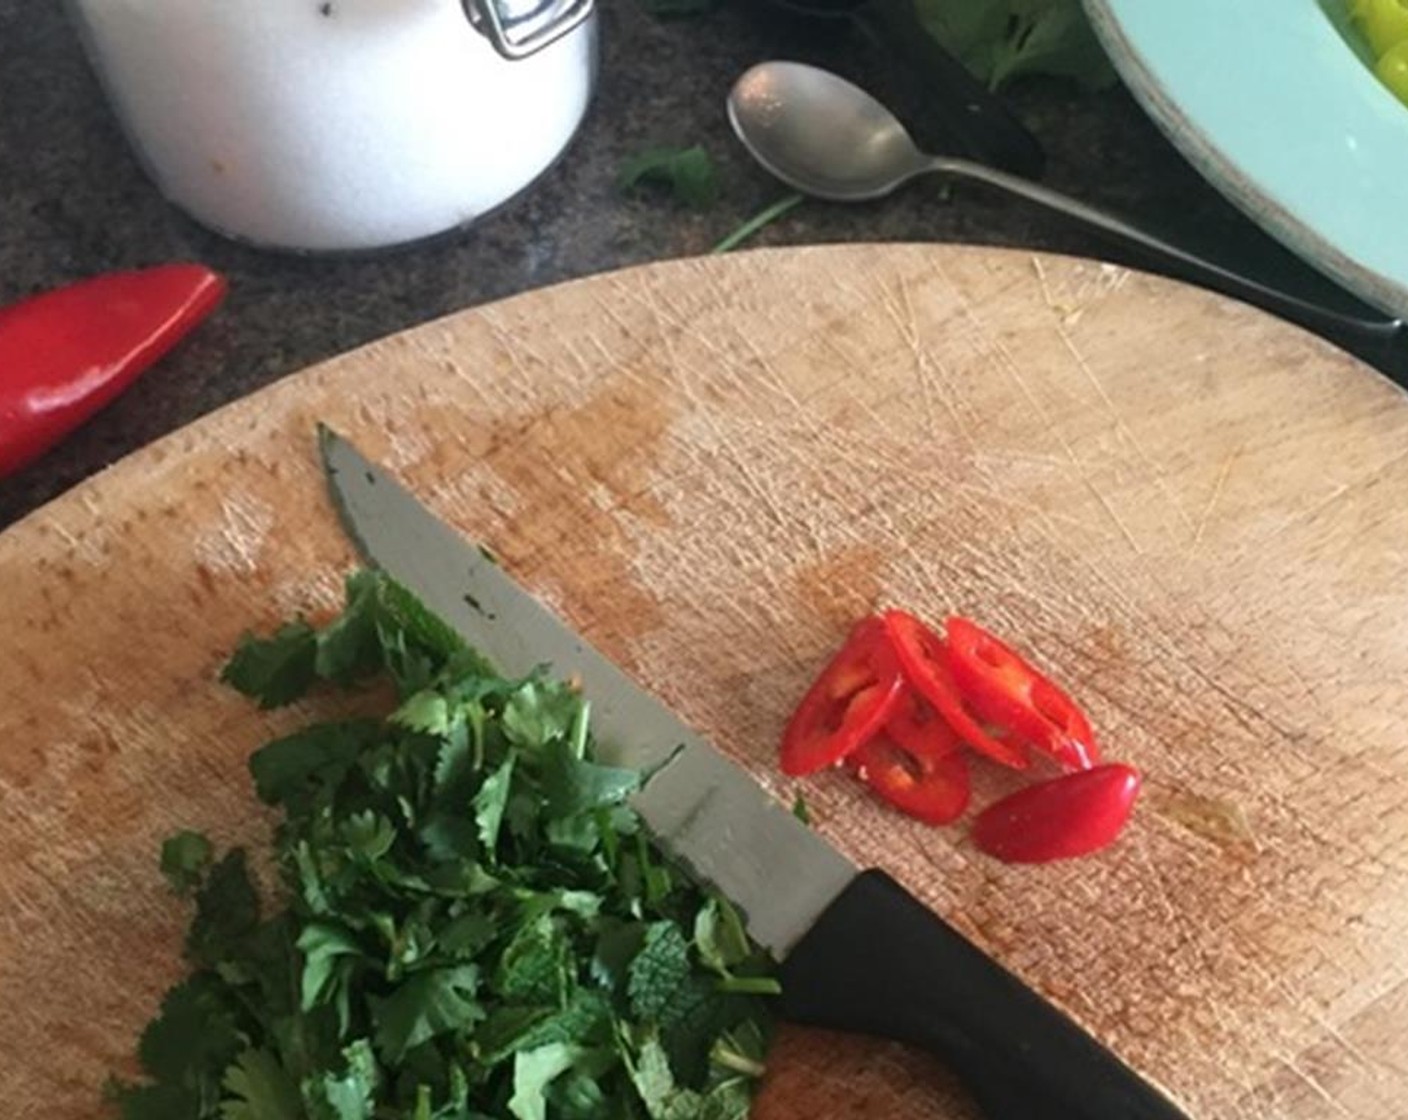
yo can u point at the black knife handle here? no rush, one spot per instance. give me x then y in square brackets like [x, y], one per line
[879, 962]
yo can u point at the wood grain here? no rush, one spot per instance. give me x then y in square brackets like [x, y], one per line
[1195, 514]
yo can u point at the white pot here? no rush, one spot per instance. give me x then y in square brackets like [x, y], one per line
[324, 125]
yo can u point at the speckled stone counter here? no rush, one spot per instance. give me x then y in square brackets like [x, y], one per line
[73, 202]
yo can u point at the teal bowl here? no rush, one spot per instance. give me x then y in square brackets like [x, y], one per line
[1272, 100]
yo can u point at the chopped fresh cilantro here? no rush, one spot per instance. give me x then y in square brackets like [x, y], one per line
[473, 925]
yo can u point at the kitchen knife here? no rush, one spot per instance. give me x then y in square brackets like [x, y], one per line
[857, 952]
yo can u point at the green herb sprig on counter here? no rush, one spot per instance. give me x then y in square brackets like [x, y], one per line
[1000, 40]
[474, 924]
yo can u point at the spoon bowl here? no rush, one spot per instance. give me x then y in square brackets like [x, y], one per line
[830, 139]
[820, 134]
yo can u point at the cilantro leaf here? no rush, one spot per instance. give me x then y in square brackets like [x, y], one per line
[227, 911]
[574, 785]
[289, 771]
[184, 859]
[257, 1088]
[349, 1094]
[540, 712]
[274, 671]
[163, 1100]
[194, 1039]
[424, 1005]
[327, 948]
[351, 646]
[688, 173]
[489, 804]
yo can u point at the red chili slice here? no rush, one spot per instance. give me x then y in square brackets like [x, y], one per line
[925, 661]
[1066, 817]
[847, 704]
[915, 726]
[930, 785]
[1003, 688]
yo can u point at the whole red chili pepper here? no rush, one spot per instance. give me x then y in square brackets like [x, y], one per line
[1060, 819]
[66, 353]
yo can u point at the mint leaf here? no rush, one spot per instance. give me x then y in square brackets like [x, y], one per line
[658, 970]
[184, 859]
[536, 967]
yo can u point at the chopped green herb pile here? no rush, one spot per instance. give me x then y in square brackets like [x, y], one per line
[475, 925]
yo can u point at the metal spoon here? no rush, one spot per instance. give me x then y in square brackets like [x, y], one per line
[830, 139]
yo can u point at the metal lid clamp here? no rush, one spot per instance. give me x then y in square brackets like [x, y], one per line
[519, 28]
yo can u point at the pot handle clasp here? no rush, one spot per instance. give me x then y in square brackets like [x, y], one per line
[519, 28]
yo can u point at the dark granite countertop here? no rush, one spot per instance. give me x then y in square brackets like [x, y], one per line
[73, 202]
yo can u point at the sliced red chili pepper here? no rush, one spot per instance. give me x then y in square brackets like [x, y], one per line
[66, 353]
[847, 704]
[930, 785]
[924, 659]
[916, 727]
[1069, 816]
[1003, 688]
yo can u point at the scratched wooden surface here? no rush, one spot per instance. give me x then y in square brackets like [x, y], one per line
[1196, 516]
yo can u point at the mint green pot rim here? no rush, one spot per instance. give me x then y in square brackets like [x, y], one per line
[1274, 107]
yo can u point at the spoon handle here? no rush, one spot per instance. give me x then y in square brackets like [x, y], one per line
[1385, 337]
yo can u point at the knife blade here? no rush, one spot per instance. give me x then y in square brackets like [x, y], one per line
[856, 951]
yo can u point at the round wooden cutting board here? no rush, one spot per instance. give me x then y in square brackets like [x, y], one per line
[1194, 515]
